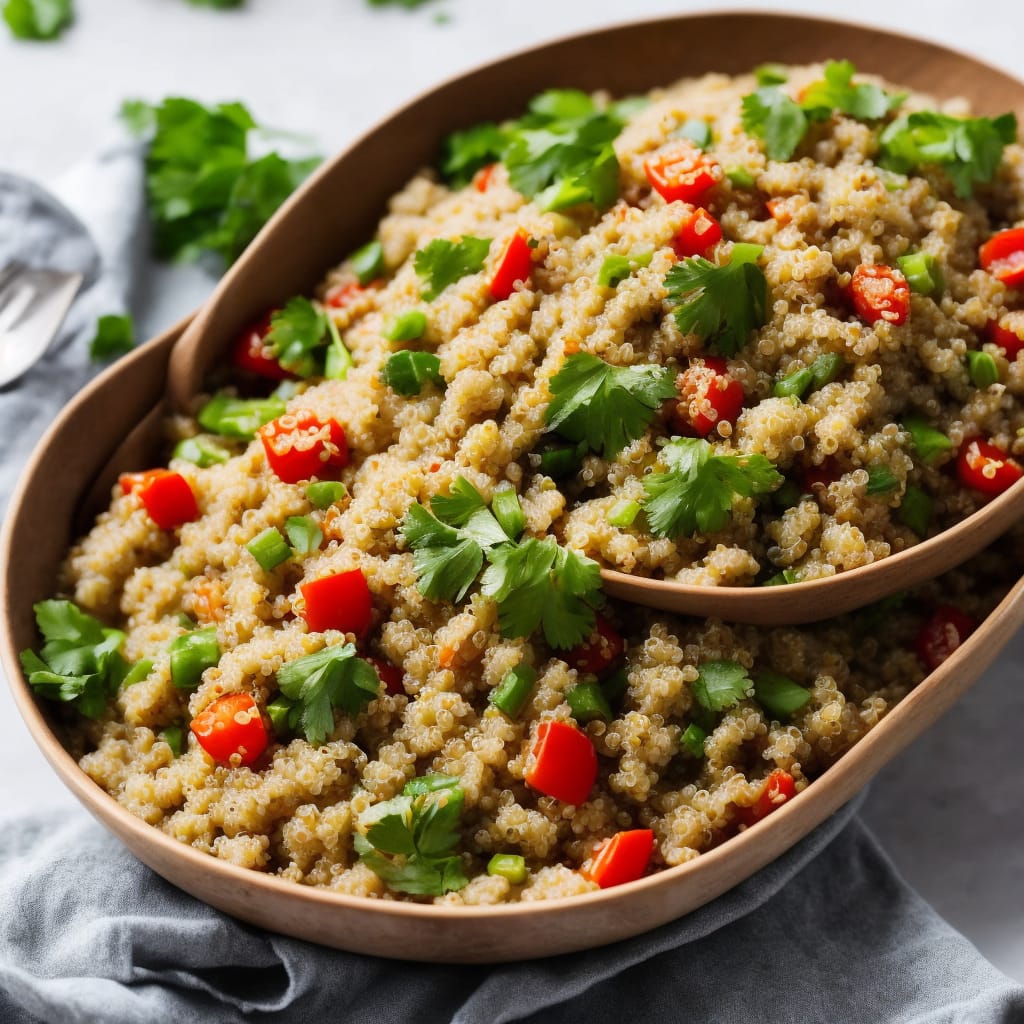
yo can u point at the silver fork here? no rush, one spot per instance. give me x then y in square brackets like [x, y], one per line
[33, 304]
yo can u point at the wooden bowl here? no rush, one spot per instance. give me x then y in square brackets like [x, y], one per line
[108, 427]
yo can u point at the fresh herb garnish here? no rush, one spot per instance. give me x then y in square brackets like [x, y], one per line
[37, 19]
[721, 685]
[721, 304]
[297, 336]
[115, 336]
[699, 489]
[444, 262]
[779, 695]
[406, 372]
[776, 119]
[606, 406]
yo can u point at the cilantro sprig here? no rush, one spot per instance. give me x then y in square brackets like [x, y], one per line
[409, 841]
[306, 342]
[443, 262]
[699, 489]
[721, 685]
[722, 304]
[115, 336]
[606, 406]
[37, 19]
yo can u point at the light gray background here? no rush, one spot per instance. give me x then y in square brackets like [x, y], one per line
[950, 810]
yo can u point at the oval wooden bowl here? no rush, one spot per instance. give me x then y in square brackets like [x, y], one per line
[110, 427]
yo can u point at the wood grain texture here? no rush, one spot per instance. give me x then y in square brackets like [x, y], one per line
[73, 465]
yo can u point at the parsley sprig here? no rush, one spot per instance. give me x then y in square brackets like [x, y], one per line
[720, 303]
[443, 262]
[699, 489]
[409, 841]
[306, 342]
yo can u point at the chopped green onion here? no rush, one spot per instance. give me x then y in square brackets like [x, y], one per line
[916, 510]
[202, 451]
[928, 442]
[511, 694]
[692, 740]
[508, 865]
[174, 737]
[191, 655]
[338, 360]
[406, 372]
[269, 549]
[186, 621]
[826, 368]
[795, 384]
[368, 262]
[239, 417]
[696, 130]
[587, 701]
[770, 74]
[740, 177]
[509, 513]
[787, 496]
[279, 710]
[137, 672]
[304, 535]
[615, 268]
[779, 695]
[881, 480]
[781, 579]
[745, 252]
[559, 461]
[616, 685]
[623, 513]
[923, 273]
[406, 326]
[325, 493]
[983, 370]
[822, 371]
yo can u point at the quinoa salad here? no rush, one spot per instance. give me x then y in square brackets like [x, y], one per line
[739, 332]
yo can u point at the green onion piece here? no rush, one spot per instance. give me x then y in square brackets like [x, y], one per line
[587, 701]
[202, 451]
[279, 710]
[770, 74]
[368, 262]
[881, 480]
[623, 513]
[325, 493]
[696, 130]
[745, 252]
[338, 360]
[174, 737]
[779, 695]
[559, 461]
[740, 177]
[304, 535]
[781, 579]
[826, 368]
[615, 268]
[191, 655]
[406, 326]
[692, 740]
[795, 384]
[928, 442]
[508, 865]
[513, 691]
[269, 549]
[983, 370]
[509, 513]
[137, 673]
[923, 273]
[616, 685]
[239, 417]
[186, 621]
[406, 372]
[787, 496]
[916, 510]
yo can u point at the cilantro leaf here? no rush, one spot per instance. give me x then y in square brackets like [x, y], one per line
[836, 91]
[721, 685]
[606, 406]
[462, 502]
[114, 337]
[37, 19]
[444, 262]
[406, 372]
[968, 149]
[466, 152]
[721, 304]
[297, 334]
[770, 115]
[536, 583]
[329, 679]
[699, 489]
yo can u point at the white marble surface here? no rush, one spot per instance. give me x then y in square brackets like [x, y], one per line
[949, 809]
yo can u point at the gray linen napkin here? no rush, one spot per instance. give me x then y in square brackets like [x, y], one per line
[828, 932]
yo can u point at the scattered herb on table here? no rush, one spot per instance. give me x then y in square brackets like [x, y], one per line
[115, 336]
[39, 20]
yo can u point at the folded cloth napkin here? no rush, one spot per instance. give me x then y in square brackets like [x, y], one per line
[88, 934]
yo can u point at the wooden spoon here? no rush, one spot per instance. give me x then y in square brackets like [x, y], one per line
[339, 207]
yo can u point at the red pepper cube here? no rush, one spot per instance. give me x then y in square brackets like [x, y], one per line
[599, 652]
[231, 725]
[699, 233]
[251, 353]
[167, 496]
[946, 629]
[779, 788]
[680, 171]
[564, 762]
[708, 396]
[880, 293]
[390, 675]
[623, 858]
[983, 467]
[1010, 339]
[515, 265]
[341, 602]
[1003, 257]
[300, 446]
[482, 178]
[343, 295]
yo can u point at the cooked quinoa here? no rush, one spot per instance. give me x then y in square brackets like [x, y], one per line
[671, 759]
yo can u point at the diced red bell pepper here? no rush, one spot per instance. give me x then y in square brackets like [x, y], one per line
[946, 629]
[599, 652]
[564, 762]
[778, 788]
[482, 178]
[622, 858]
[341, 602]
[983, 467]
[815, 477]
[779, 211]
[680, 171]
[1009, 339]
[251, 353]
[231, 725]
[708, 395]
[1003, 257]
[390, 675]
[299, 445]
[167, 496]
[880, 293]
[344, 295]
[515, 265]
[699, 232]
